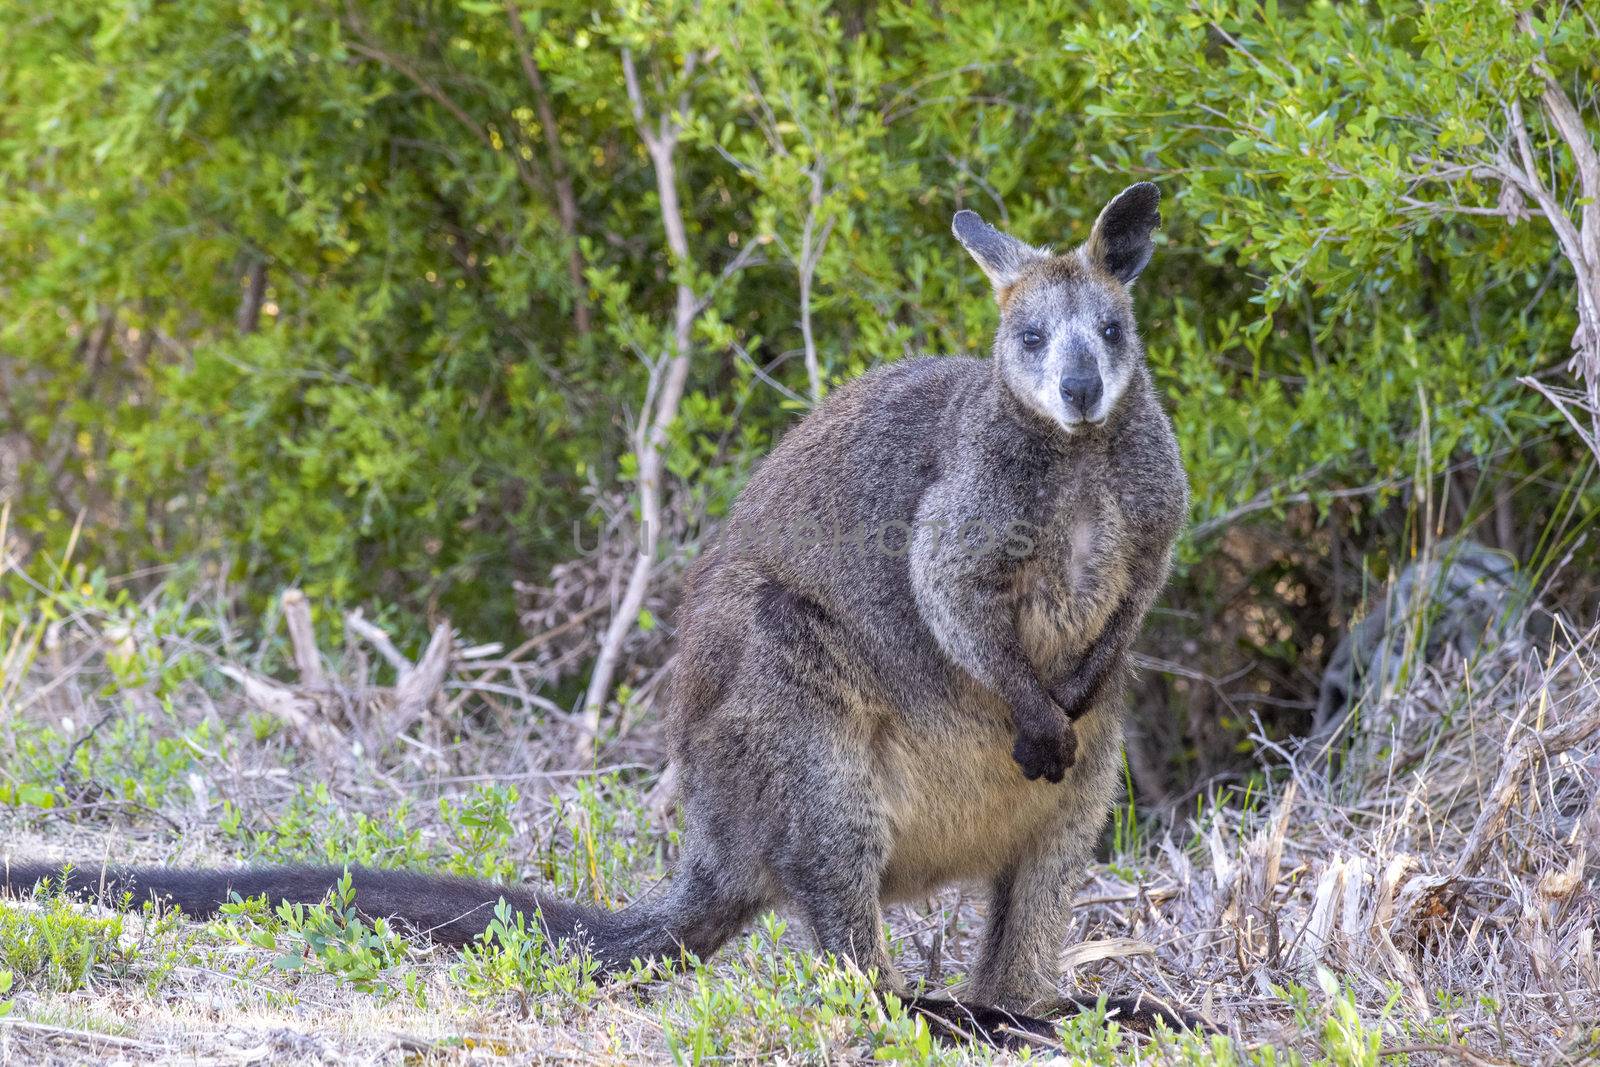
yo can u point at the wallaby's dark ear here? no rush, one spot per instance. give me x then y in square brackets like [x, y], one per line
[1001, 256]
[1120, 244]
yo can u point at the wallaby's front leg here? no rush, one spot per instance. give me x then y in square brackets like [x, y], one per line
[1084, 680]
[964, 592]
[1045, 744]
[979, 636]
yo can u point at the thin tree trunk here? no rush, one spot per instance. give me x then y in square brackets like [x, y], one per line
[662, 144]
[1580, 240]
[255, 292]
[813, 369]
[813, 242]
[561, 177]
[810, 253]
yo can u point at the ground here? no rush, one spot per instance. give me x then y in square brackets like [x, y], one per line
[1418, 887]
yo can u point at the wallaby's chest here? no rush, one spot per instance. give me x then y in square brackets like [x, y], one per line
[1075, 574]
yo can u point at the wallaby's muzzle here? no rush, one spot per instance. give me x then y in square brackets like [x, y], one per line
[1082, 394]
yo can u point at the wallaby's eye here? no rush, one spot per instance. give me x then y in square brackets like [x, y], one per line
[1032, 338]
[1112, 332]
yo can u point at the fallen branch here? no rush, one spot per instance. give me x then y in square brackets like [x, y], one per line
[419, 685]
[293, 709]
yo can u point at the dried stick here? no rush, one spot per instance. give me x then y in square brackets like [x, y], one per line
[302, 638]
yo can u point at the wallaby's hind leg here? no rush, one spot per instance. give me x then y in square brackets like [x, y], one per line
[841, 902]
[1029, 915]
[795, 769]
[850, 926]
[1030, 911]
[831, 858]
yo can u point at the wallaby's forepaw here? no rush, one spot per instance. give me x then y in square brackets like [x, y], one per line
[1046, 755]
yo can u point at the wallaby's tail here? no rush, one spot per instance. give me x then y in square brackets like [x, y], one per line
[453, 911]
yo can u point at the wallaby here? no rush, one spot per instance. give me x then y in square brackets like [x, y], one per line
[901, 663]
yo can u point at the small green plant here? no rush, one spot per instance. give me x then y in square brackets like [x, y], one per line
[513, 956]
[772, 999]
[1343, 1037]
[51, 945]
[481, 832]
[316, 828]
[136, 760]
[1090, 1037]
[329, 938]
[610, 850]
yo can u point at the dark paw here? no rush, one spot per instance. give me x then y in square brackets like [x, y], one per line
[1046, 755]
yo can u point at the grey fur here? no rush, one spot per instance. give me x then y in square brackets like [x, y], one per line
[930, 692]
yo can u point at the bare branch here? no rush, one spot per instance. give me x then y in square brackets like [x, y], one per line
[255, 291]
[354, 621]
[746, 258]
[661, 409]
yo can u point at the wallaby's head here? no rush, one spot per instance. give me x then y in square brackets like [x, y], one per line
[1067, 345]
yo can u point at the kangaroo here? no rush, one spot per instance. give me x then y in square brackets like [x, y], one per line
[900, 665]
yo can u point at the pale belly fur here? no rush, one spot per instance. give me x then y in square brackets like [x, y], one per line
[958, 805]
[956, 816]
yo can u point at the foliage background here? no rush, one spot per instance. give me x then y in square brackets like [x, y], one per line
[366, 298]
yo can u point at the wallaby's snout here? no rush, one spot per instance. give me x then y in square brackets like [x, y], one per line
[1082, 393]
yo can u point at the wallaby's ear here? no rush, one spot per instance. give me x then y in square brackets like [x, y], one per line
[1001, 256]
[1120, 244]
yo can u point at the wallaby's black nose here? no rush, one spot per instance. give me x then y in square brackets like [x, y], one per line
[1082, 393]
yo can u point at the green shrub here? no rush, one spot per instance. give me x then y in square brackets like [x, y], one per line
[436, 377]
[328, 938]
[513, 956]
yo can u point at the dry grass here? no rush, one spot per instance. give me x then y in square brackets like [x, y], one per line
[1421, 885]
[1444, 870]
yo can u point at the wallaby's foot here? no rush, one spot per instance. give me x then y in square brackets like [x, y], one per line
[954, 1022]
[1141, 1014]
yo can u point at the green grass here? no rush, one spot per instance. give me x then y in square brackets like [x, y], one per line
[52, 944]
[473, 838]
